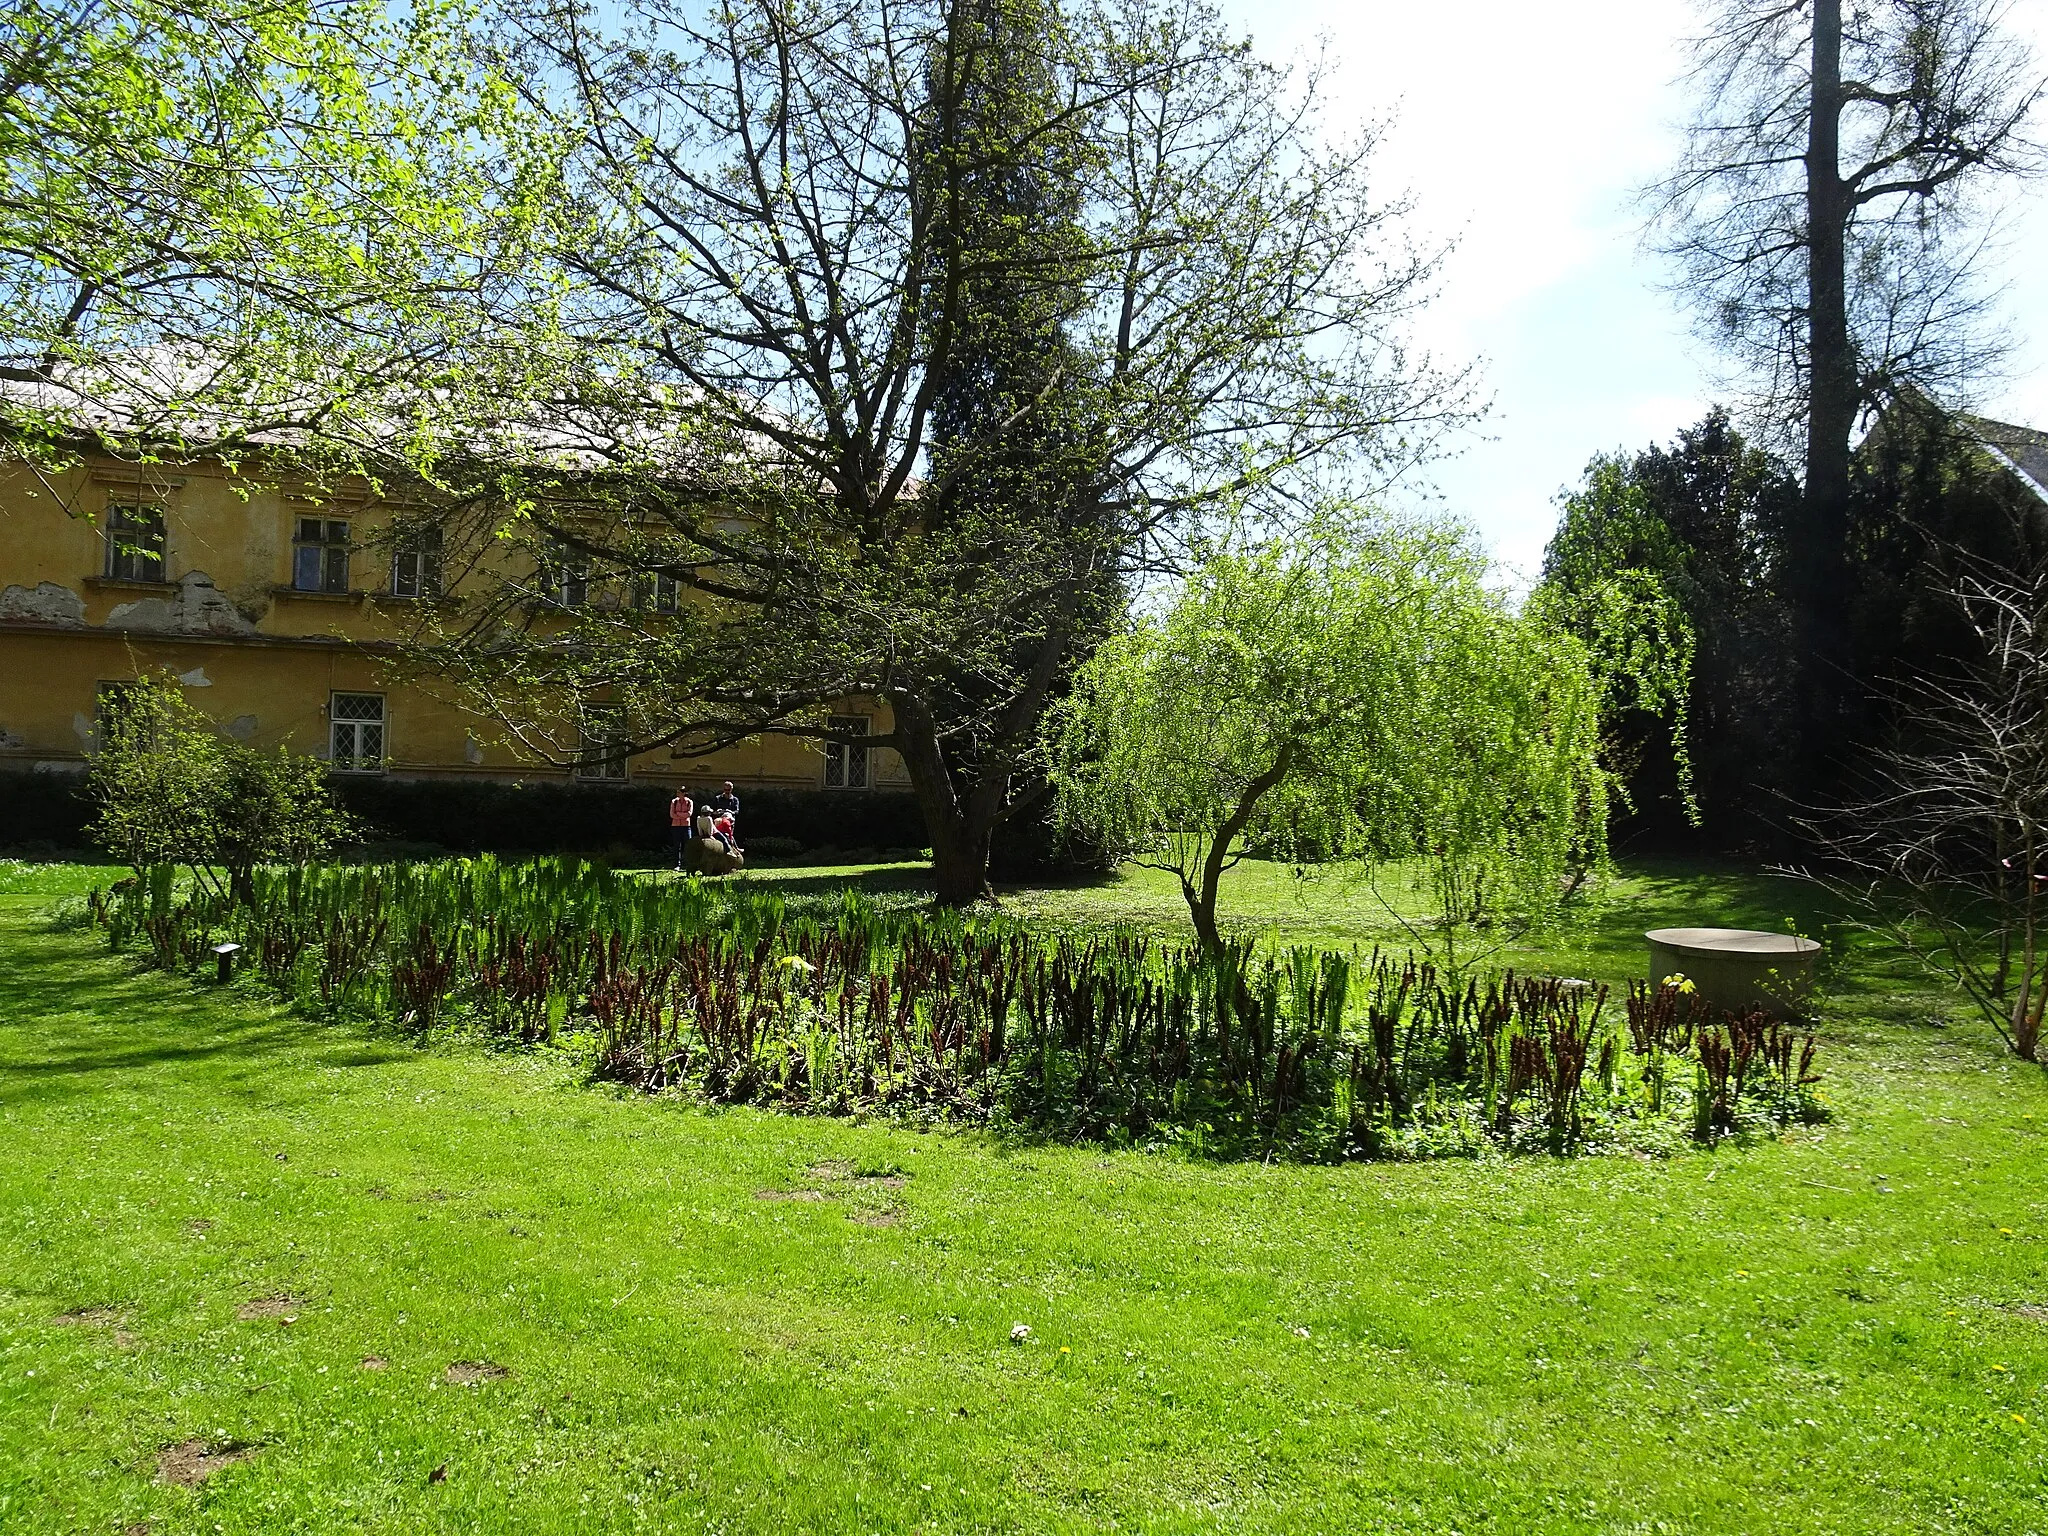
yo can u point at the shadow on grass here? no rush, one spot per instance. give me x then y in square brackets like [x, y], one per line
[1668, 894]
[881, 880]
[30, 1080]
[72, 1016]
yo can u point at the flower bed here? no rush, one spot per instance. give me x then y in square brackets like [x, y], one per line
[734, 995]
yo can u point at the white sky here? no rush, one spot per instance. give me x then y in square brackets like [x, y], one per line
[1523, 130]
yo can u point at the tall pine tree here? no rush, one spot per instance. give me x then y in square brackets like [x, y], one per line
[1011, 437]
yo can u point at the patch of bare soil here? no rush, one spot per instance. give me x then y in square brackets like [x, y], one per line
[191, 1462]
[86, 1317]
[878, 1218]
[470, 1373]
[884, 1180]
[2032, 1311]
[375, 1363]
[831, 1169]
[284, 1309]
[436, 1196]
[199, 1226]
[97, 1317]
[790, 1194]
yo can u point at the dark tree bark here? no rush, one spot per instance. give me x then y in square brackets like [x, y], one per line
[1201, 899]
[961, 820]
[1821, 221]
[1820, 550]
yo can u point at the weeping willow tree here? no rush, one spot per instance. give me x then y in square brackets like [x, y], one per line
[1362, 697]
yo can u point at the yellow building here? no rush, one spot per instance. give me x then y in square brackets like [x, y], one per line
[276, 609]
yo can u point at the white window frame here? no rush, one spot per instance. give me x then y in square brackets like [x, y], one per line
[848, 767]
[327, 569]
[138, 534]
[601, 736]
[348, 728]
[416, 564]
[569, 577]
[658, 593]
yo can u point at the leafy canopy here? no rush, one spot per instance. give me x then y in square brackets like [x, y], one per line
[913, 334]
[226, 223]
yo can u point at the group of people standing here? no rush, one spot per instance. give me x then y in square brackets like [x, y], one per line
[716, 819]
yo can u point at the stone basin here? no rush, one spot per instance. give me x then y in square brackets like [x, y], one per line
[1738, 968]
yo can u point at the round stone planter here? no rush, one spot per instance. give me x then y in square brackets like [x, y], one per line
[1737, 968]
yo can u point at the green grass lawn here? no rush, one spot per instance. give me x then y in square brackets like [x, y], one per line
[727, 1322]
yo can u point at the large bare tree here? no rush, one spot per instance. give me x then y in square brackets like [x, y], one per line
[1828, 216]
[912, 332]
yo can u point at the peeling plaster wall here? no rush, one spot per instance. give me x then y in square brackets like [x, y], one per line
[260, 658]
[44, 603]
[198, 609]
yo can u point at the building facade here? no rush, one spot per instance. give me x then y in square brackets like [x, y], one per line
[276, 607]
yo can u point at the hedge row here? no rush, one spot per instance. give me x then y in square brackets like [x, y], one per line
[50, 811]
[479, 815]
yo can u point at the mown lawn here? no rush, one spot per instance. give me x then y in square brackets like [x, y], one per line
[741, 1322]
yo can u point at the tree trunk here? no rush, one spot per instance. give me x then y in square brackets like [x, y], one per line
[1820, 553]
[961, 829]
[1202, 912]
[2029, 1006]
[1201, 899]
[960, 850]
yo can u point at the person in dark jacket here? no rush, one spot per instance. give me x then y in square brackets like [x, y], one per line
[726, 803]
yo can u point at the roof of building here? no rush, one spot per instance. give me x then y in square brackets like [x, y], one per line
[174, 400]
[2023, 450]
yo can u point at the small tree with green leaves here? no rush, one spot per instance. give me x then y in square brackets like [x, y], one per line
[171, 790]
[1361, 696]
